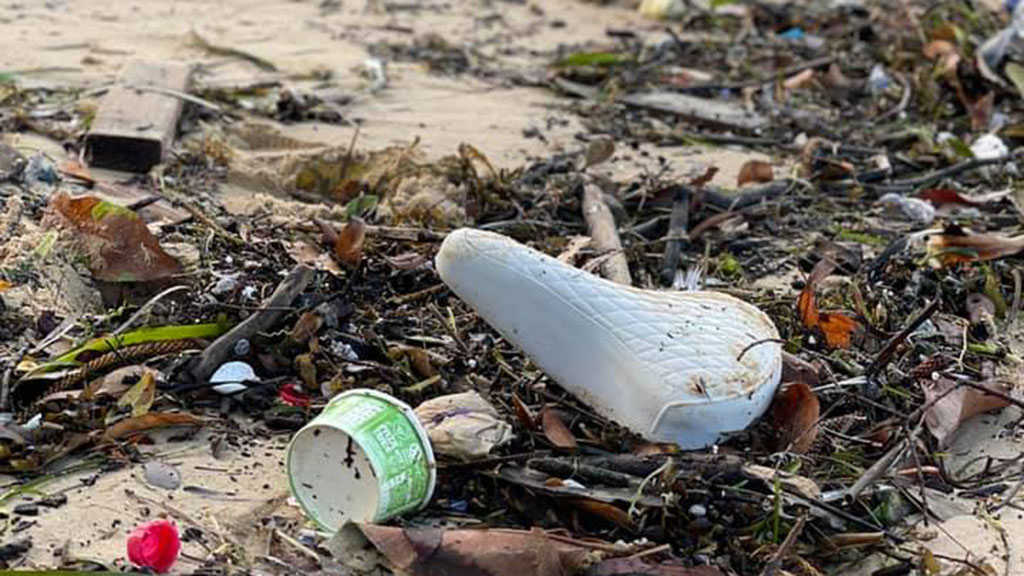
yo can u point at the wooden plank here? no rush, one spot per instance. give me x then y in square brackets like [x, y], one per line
[138, 118]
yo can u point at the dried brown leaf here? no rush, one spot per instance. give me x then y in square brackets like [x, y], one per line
[494, 552]
[947, 413]
[523, 413]
[116, 242]
[794, 417]
[349, 247]
[140, 396]
[151, 421]
[755, 171]
[603, 510]
[555, 430]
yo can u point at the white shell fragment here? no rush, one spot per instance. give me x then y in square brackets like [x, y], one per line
[233, 377]
[679, 367]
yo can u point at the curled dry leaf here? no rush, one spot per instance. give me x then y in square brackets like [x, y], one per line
[140, 396]
[756, 171]
[349, 247]
[523, 413]
[555, 430]
[954, 247]
[151, 421]
[794, 417]
[836, 328]
[947, 413]
[116, 242]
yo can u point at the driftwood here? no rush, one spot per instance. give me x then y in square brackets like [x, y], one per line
[605, 234]
[269, 313]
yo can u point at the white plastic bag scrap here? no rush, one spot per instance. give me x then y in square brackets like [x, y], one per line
[463, 426]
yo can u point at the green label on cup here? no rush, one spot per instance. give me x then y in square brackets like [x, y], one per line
[391, 443]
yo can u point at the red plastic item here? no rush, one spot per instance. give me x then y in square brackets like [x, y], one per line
[292, 396]
[154, 545]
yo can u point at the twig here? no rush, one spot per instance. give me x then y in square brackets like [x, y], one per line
[215, 354]
[780, 73]
[936, 175]
[601, 224]
[176, 94]
[305, 550]
[406, 234]
[677, 234]
[903, 103]
[146, 307]
[890, 347]
[775, 563]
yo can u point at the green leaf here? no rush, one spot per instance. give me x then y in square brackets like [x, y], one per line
[140, 336]
[6, 78]
[361, 206]
[720, 3]
[592, 59]
[960, 148]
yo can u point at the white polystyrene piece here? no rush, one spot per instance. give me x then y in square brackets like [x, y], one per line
[679, 367]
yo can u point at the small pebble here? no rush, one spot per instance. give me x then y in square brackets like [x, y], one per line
[698, 510]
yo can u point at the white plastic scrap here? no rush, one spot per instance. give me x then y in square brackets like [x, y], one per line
[913, 209]
[232, 377]
[989, 147]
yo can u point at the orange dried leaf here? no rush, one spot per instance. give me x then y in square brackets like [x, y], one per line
[349, 247]
[4, 285]
[150, 421]
[755, 171]
[556, 431]
[835, 328]
[794, 416]
[608, 512]
[118, 245]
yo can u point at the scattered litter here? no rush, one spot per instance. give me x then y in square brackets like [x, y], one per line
[463, 426]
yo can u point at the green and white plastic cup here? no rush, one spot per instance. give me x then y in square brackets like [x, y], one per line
[365, 458]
